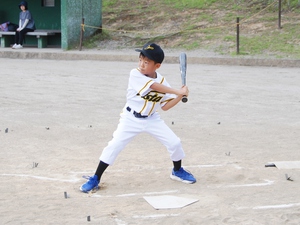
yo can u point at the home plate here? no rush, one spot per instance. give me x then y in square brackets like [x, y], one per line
[169, 202]
[285, 164]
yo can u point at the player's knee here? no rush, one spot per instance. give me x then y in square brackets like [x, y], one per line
[175, 144]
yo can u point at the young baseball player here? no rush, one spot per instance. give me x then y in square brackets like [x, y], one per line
[147, 92]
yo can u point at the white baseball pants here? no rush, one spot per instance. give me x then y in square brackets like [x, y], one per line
[129, 126]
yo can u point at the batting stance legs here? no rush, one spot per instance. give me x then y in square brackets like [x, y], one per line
[129, 126]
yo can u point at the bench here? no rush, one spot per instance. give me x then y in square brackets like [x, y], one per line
[41, 35]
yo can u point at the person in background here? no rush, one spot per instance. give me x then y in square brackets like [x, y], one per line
[26, 24]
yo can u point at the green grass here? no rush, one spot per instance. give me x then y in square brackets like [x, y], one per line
[277, 41]
[208, 24]
[198, 4]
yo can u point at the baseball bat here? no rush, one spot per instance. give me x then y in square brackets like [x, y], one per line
[182, 63]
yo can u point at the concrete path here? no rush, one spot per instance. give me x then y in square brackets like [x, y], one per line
[194, 57]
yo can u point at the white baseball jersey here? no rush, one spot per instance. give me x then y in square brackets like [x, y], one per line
[144, 101]
[141, 98]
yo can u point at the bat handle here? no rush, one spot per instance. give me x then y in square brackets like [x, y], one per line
[184, 99]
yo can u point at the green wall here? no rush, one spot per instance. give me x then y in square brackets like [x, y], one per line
[65, 16]
[44, 17]
[72, 13]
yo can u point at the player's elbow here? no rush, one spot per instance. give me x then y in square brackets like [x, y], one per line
[166, 107]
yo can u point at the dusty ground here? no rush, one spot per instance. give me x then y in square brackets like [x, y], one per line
[61, 114]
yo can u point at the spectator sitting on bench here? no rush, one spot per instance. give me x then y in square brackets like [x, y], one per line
[26, 24]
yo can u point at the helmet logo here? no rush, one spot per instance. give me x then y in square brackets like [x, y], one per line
[149, 48]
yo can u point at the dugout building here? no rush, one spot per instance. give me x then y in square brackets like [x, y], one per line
[64, 17]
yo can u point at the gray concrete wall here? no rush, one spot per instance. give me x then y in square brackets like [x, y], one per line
[72, 13]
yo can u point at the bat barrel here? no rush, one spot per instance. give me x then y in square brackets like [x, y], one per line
[182, 65]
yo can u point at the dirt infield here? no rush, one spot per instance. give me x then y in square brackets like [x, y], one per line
[57, 116]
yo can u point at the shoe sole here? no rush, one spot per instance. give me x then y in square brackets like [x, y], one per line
[181, 180]
[94, 189]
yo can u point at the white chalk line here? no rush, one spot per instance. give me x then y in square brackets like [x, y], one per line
[41, 178]
[202, 166]
[148, 193]
[136, 194]
[277, 206]
[120, 222]
[267, 182]
[83, 172]
[281, 206]
[154, 216]
[237, 167]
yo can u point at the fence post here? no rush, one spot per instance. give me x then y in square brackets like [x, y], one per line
[81, 34]
[237, 35]
[279, 14]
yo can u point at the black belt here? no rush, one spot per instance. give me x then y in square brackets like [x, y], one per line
[137, 115]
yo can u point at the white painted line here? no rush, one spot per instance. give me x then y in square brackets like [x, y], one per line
[40, 178]
[136, 194]
[268, 182]
[202, 166]
[277, 206]
[120, 222]
[161, 192]
[83, 172]
[281, 206]
[155, 216]
[101, 196]
[127, 195]
[148, 193]
[237, 167]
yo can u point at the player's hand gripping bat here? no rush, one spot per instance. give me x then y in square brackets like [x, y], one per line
[182, 63]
